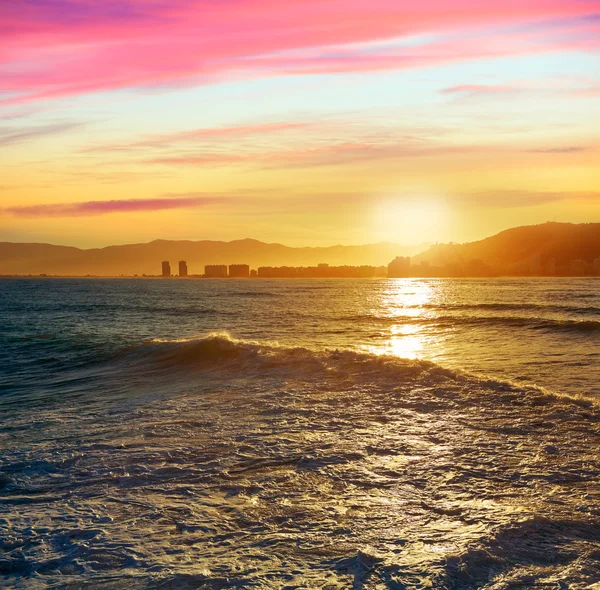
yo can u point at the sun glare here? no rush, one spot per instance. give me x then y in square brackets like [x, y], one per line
[410, 220]
[405, 341]
[405, 302]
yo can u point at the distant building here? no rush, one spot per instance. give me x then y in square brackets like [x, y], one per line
[550, 267]
[577, 268]
[321, 271]
[399, 267]
[596, 266]
[239, 271]
[279, 272]
[254, 273]
[183, 272]
[166, 269]
[215, 271]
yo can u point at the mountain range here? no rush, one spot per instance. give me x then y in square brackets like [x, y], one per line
[24, 259]
[513, 251]
[523, 250]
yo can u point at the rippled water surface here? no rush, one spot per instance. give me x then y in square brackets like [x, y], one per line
[299, 433]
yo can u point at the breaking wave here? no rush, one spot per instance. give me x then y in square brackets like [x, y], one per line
[71, 369]
[221, 354]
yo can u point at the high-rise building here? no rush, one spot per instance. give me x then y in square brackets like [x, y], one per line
[183, 268]
[239, 271]
[550, 267]
[577, 268]
[215, 271]
[166, 268]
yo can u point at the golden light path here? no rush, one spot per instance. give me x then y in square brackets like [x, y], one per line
[405, 342]
[408, 299]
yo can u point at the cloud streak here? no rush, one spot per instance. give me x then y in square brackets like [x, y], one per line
[57, 48]
[503, 199]
[91, 208]
[480, 89]
[267, 203]
[570, 149]
[208, 134]
[12, 135]
[334, 154]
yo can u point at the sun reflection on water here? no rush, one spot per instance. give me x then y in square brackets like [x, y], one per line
[405, 342]
[409, 299]
[407, 296]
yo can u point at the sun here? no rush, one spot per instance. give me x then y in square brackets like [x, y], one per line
[414, 219]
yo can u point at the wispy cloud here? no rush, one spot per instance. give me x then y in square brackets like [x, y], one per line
[54, 48]
[269, 203]
[502, 199]
[570, 149]
[333, 154]
[208, 134]
[542, 88]
[89, 208]
[480, 89]
[286, 144]
[11, 135]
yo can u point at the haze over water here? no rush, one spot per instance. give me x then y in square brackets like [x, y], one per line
[293, 433]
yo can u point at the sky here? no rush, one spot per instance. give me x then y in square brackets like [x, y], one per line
[305, 122]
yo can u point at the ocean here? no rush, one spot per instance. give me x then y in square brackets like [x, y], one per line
[385, 433]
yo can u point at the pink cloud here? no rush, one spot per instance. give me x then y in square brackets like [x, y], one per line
[532, 87]
[479, 89]
[114, 206]
[589, 92]
[206, 134]
[339, 153]
[569, 149]
[67, 47]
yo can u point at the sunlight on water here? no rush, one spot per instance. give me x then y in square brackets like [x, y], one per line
[405, 298]
[405, 342]
[162, 433]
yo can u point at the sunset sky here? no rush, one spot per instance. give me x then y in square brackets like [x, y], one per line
[307, 122]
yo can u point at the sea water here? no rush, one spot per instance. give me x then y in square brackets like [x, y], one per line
[438, 433]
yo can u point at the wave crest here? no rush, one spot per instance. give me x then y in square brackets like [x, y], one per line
[221, 355]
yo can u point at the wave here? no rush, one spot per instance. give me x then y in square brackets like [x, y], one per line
[450, 321]
[510, 307]
[223, 356]
[111, 308]
[182, 364]
[246, 294]
[534, 323]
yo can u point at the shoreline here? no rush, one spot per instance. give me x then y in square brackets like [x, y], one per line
[200, 277]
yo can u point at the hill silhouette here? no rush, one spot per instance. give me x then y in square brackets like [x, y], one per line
[523, 249]
[130, 259]
[520, 250]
